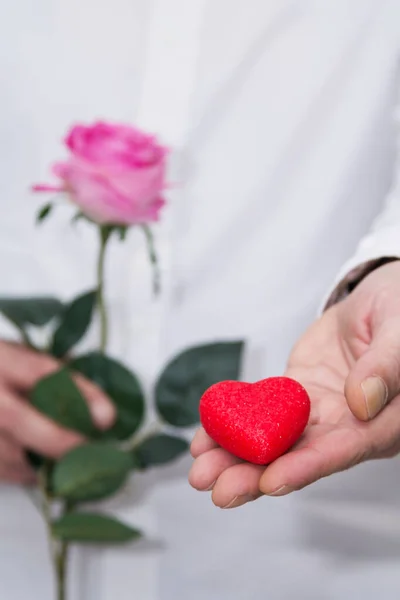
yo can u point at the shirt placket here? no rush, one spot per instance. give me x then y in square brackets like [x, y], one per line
[164, 109]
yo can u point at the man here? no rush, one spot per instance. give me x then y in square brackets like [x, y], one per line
[280, 114]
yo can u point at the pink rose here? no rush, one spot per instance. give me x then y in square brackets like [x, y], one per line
[115, 174]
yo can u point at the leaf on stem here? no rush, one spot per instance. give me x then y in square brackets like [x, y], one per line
[58, 397]
[159, 449]
[121, 386]
[74, 323]
[44, 212]
[90, 472]
[30, 311]
[185, 379]
[93, 528]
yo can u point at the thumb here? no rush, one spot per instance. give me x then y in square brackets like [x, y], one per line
[374, 380]
[100, 406]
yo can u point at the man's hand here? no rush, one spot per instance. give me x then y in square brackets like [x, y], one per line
[349, 362]
[21, 426]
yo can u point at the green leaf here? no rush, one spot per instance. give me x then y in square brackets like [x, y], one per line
[74, 324]
[158, 450]
[93, 528]
[30, 311]
[90, 472]
[44, 212]
[122, 387]
[186, 378]
[59, 398]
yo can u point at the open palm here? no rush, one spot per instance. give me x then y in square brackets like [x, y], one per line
[351, 343]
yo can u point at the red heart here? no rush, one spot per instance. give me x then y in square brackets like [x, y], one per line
[256, 422]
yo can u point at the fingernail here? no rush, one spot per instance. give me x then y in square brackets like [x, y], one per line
[103, 414]
[281, 491]
[239, 501]
[211, 486]
[376, 395]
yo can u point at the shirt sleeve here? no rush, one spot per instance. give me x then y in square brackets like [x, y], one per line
[379, 246]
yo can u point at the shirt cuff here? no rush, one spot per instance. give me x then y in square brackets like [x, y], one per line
[377, 249]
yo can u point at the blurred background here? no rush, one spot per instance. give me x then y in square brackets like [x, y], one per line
[280, 118]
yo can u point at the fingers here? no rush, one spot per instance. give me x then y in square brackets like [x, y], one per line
[237, 485]
[23, 368]
[32, 430]
[233, 483]
[201, 443]
[17, 475]
[13, 465]
[334, 451]
[375, 378]
[101, 408]
[208, 467]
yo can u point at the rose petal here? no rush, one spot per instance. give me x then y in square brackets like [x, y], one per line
[44, 187]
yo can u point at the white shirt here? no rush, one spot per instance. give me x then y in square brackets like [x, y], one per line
[280, 113]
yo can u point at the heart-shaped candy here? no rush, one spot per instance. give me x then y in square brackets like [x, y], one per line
[256, 422]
